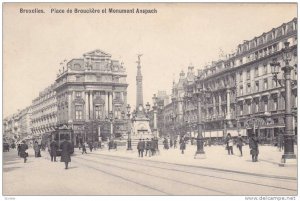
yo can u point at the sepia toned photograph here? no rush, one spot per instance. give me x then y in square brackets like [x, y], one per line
[150, 99]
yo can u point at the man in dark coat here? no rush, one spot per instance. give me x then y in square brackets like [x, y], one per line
[239, 143]
[53, 150]
[18, 148]
[182, 146]
[148, 147]
[23, 153]
[153, 146]
[36, 148]
[91, 146]
[171, 143]
[66, 148]
[166, 144]
[141, 147]
[253, 144]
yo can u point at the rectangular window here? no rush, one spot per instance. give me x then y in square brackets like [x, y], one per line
[256, 71]
[97, 93]
[248, 74]
[266, 105]
[275, 106]
[241, 90]
[98, 112]
[249, 108]
[274, 83]
[265, 68]
[241, 76]
[256, 86]
[256, 106]
[78, 94]
[117, 95]
[265, 84]
[248, 88]
[78, 112]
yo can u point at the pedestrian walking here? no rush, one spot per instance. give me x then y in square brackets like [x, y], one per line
[166, 144]
[253, 144]
[23, 153]
[100, 144]
[175, 144]
[53, 150]
[84, 145]
[66, 148]
[280, 140]
[171, 143]
[240, 143]
[141, 147]
[153, 147]
[182, 145]
[95, 145]
[148, 147]
[18, 149]
[91, 146]
[37, 150]
[229, 144]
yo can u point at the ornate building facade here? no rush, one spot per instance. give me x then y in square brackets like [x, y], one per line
[242, 87]
[237, 89]
[44, 112]
[91, 95]
[17, 126]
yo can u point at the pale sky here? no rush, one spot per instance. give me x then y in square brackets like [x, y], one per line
[179, 34]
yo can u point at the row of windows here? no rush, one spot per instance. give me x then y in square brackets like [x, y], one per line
[268, 37]
[255, 105]
[257, 88]
[99, 112]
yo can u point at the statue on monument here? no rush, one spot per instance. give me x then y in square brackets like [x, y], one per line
[141, 128]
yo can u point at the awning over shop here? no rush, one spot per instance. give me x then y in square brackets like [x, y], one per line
[207, 134]
[234, 133]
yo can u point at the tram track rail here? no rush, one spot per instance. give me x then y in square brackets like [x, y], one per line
[105, 157]
[157, 176]
[210, 168]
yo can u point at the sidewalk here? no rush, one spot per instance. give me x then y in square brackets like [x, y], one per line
[217, 158]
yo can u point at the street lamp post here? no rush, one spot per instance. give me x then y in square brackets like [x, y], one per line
[129, 129]
[173, 117]
[289, 134]
[111, 124]
[155, 116]
[200, 149]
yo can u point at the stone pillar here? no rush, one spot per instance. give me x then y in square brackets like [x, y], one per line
[87, 113]
[214, 105]
[91, 105]
[110, 101]
[220, 103]
[106, 103]
[70, 105]
[228, 115]
[200, 149]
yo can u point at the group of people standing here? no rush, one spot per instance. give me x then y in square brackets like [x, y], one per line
[171, 142]
[65, 146]
[65, 151]
[90, 145]
[253, 145]
[151, 147]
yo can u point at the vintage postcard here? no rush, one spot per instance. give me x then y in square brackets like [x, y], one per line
[150, 99]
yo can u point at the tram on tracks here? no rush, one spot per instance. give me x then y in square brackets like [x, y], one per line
[61, 134]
